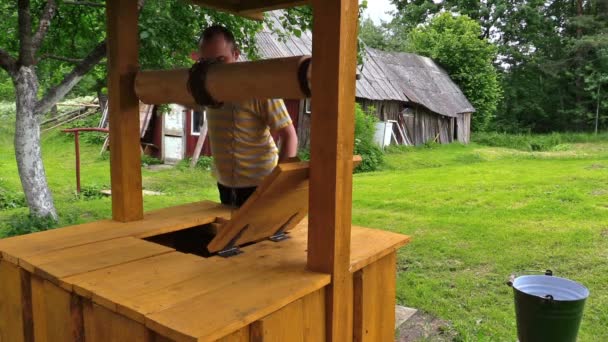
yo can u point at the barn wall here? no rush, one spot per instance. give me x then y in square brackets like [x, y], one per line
[425, 126]
[463, 128]
[384, 110]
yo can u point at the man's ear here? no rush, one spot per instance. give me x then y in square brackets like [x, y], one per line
[237, 54]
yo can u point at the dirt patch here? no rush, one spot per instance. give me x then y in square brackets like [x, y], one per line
[599, 192]
[604, 233]
[425, 327]
[595, 167]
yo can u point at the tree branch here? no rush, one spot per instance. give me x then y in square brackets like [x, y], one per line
[84, 3]
[45, 22]
[60, 58]
[26, 54]
[7, 62]
[70, 80]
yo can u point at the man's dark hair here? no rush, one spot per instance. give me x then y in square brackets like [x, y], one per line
[218, 30]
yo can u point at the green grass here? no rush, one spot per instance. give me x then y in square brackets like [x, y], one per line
[476, 215]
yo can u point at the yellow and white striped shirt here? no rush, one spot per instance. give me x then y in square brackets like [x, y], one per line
[243, 149]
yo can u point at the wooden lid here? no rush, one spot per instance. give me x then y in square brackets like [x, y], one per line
[279, 204]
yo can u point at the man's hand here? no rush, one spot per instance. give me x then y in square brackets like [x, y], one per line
[289, 143]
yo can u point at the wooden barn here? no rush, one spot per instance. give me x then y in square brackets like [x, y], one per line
[403, 87]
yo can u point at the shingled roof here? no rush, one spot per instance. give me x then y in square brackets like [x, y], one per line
[385, 76]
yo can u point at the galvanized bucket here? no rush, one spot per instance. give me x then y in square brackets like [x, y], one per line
[548, 308]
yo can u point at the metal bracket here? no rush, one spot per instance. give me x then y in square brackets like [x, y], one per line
[231, 249]
[229, 252]
[279, 236]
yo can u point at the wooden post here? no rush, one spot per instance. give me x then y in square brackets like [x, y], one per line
[332, 143]
[125, 159]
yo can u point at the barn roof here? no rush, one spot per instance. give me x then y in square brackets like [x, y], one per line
[385, 76]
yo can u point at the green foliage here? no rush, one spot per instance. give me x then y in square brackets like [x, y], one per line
[371, 154]
[147, 160]
[20, 224]
[536, 142]
[91, 192]
[453, 42]
[205, 163]
[91, 138]
[11, 200]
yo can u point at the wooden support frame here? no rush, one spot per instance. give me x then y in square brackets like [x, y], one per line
[123, 64]
[332, 144]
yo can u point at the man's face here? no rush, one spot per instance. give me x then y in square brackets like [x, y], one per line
[218, 48]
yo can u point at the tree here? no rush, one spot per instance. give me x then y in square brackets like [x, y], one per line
[48, 47]
[454, 42]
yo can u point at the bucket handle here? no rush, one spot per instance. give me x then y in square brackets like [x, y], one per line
[515, 275]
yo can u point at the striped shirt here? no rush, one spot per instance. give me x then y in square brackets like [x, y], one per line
[243, 149]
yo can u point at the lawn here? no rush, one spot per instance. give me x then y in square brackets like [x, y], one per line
[476, 213]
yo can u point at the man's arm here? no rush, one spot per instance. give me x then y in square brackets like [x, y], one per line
[289, 143]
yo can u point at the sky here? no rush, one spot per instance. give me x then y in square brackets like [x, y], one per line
[376, 9]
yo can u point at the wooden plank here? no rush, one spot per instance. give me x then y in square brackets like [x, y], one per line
[15, 304]
[280, 202]
[103, 325]
[132, 290]
[39, 309]
[154, 223]
[369, 245]
[234, 306]
[63, 263]
[313, 307]
[57, 313]
[374, 305]
[125, 158]
[242, 335]
[332, 144]
[284, 325]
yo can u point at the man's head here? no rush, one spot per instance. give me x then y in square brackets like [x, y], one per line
[217, 42]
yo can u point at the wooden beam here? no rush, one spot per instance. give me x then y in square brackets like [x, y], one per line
[226, 6]
[125, 159]
[332, 143]
[247, 6]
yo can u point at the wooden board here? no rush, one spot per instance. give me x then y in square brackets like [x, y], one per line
[279, 203]
[123, 63]
[57, 313]
[332, 144]
[300, 321]
[66, 262]
[242, 335]
[15, 315]
[154, 223]
[234, 306]
[374, 307]
[103, 325]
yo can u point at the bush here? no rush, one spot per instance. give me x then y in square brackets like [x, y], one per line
[91, 138]
[91, 192]
[205, 163]
[147, 160]
[536, 142]
[21, 224]
[365, 128]
[11, 200]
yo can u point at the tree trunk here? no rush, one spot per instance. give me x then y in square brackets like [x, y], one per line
[27, 146]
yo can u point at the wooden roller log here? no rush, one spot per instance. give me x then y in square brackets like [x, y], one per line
[272, 78]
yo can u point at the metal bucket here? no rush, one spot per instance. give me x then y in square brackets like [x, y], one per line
[548, 308]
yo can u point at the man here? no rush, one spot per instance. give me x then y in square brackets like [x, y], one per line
[240, 134]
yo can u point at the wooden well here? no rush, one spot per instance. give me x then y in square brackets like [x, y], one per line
[139, 277]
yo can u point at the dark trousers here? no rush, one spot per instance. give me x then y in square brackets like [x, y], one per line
[234, 197]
